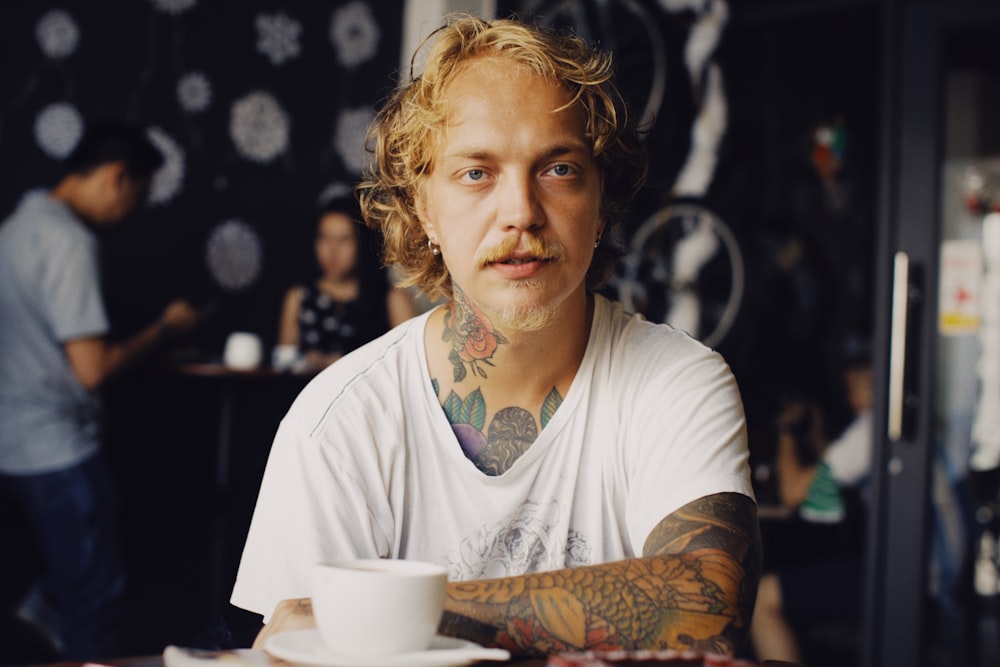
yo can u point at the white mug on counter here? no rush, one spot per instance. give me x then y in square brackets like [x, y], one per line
[243, 351]
[285, 357]
[368, 608]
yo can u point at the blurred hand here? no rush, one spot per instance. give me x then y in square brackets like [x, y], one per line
[288, 615]
[180, 317]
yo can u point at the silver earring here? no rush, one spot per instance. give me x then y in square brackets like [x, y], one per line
[433, 248]
[598, 241]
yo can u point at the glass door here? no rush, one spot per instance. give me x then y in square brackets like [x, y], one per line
[932, 571]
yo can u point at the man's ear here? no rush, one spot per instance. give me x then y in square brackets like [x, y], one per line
[422, 219]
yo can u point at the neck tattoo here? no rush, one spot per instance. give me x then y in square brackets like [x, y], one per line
[510, 433]
[473, 338]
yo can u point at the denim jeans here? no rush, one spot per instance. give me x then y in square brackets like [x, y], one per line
[72, 515]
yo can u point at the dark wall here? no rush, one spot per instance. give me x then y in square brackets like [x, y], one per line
[806, 241]
[127, 59]
[307, 97]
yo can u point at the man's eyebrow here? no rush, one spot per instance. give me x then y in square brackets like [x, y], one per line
[558, 150]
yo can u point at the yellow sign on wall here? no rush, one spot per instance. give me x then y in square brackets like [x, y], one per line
[959, 287]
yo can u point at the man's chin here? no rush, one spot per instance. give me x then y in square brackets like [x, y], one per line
[519, 319]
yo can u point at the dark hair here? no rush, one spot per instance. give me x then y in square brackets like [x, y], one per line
[112, 141]
[345, 203]
[368, 264]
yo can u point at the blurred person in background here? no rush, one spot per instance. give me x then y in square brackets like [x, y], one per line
[824, 483]
[351, 301]
[55, 354]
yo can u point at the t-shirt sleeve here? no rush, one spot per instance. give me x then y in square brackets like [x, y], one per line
[849, 456]
[70, 285]
[690, 438]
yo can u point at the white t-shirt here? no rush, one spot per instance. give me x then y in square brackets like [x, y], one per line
[365, 464]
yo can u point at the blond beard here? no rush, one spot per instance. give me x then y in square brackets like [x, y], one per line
[515, 322]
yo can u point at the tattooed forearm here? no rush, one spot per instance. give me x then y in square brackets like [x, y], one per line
[724, 522]
[694, 598]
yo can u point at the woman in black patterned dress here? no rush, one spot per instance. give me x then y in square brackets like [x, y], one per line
[349, 304]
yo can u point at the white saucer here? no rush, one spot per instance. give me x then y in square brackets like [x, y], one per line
[306, 647]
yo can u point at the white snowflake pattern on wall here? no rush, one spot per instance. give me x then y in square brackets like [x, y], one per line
[57, 34]
[58, 128]
[259, 127]
[349, 138]
[234, 255]
[174, 6]
[354, 33]
[278, 37]
[194, 92]
[169, 178]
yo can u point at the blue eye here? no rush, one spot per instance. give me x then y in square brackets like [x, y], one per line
[474, 174]
[561, 170]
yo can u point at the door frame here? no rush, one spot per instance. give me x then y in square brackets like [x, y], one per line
[911, 151]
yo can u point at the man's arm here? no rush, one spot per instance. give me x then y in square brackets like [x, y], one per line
[94, 360]
[794, 477]
[693, 588]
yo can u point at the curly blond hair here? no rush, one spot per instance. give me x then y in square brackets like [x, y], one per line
[408, 125]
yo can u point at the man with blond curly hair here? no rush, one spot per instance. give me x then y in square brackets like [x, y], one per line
[582, 473]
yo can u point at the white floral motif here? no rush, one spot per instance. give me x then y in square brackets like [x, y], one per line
[169, 178]
[234, 254]
[57, 34]
[524, 541]
[194, 92]
[278, 37]
[174, 6]
[58, 129]
[349, 138]
[259, 127]
[354, 33]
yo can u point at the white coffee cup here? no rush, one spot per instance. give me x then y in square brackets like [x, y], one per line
[284, 357]
[243, 351]
[367, 608]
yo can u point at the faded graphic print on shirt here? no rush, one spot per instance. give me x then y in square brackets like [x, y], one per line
[523, 542]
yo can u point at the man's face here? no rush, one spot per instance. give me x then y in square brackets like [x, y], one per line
[128, 195]
[514, 195]
[114, 194]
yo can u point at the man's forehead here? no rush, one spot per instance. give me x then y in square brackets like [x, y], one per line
[482, 91]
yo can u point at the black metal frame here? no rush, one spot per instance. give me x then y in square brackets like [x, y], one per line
[894, 621]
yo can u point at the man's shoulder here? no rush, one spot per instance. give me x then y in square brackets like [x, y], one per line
[377, 373]
[44, 220]
[631, 334]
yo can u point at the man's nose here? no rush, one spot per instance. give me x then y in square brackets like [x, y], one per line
[520, 206]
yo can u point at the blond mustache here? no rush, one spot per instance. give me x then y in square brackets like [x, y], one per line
[535, 246]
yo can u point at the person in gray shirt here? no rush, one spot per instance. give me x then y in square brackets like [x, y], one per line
[54, 356]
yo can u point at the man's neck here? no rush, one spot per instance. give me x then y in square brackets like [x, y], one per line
[500, 388]
[71, 192]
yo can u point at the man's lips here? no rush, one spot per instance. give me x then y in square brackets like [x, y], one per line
[517, 261]
[514, 268]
